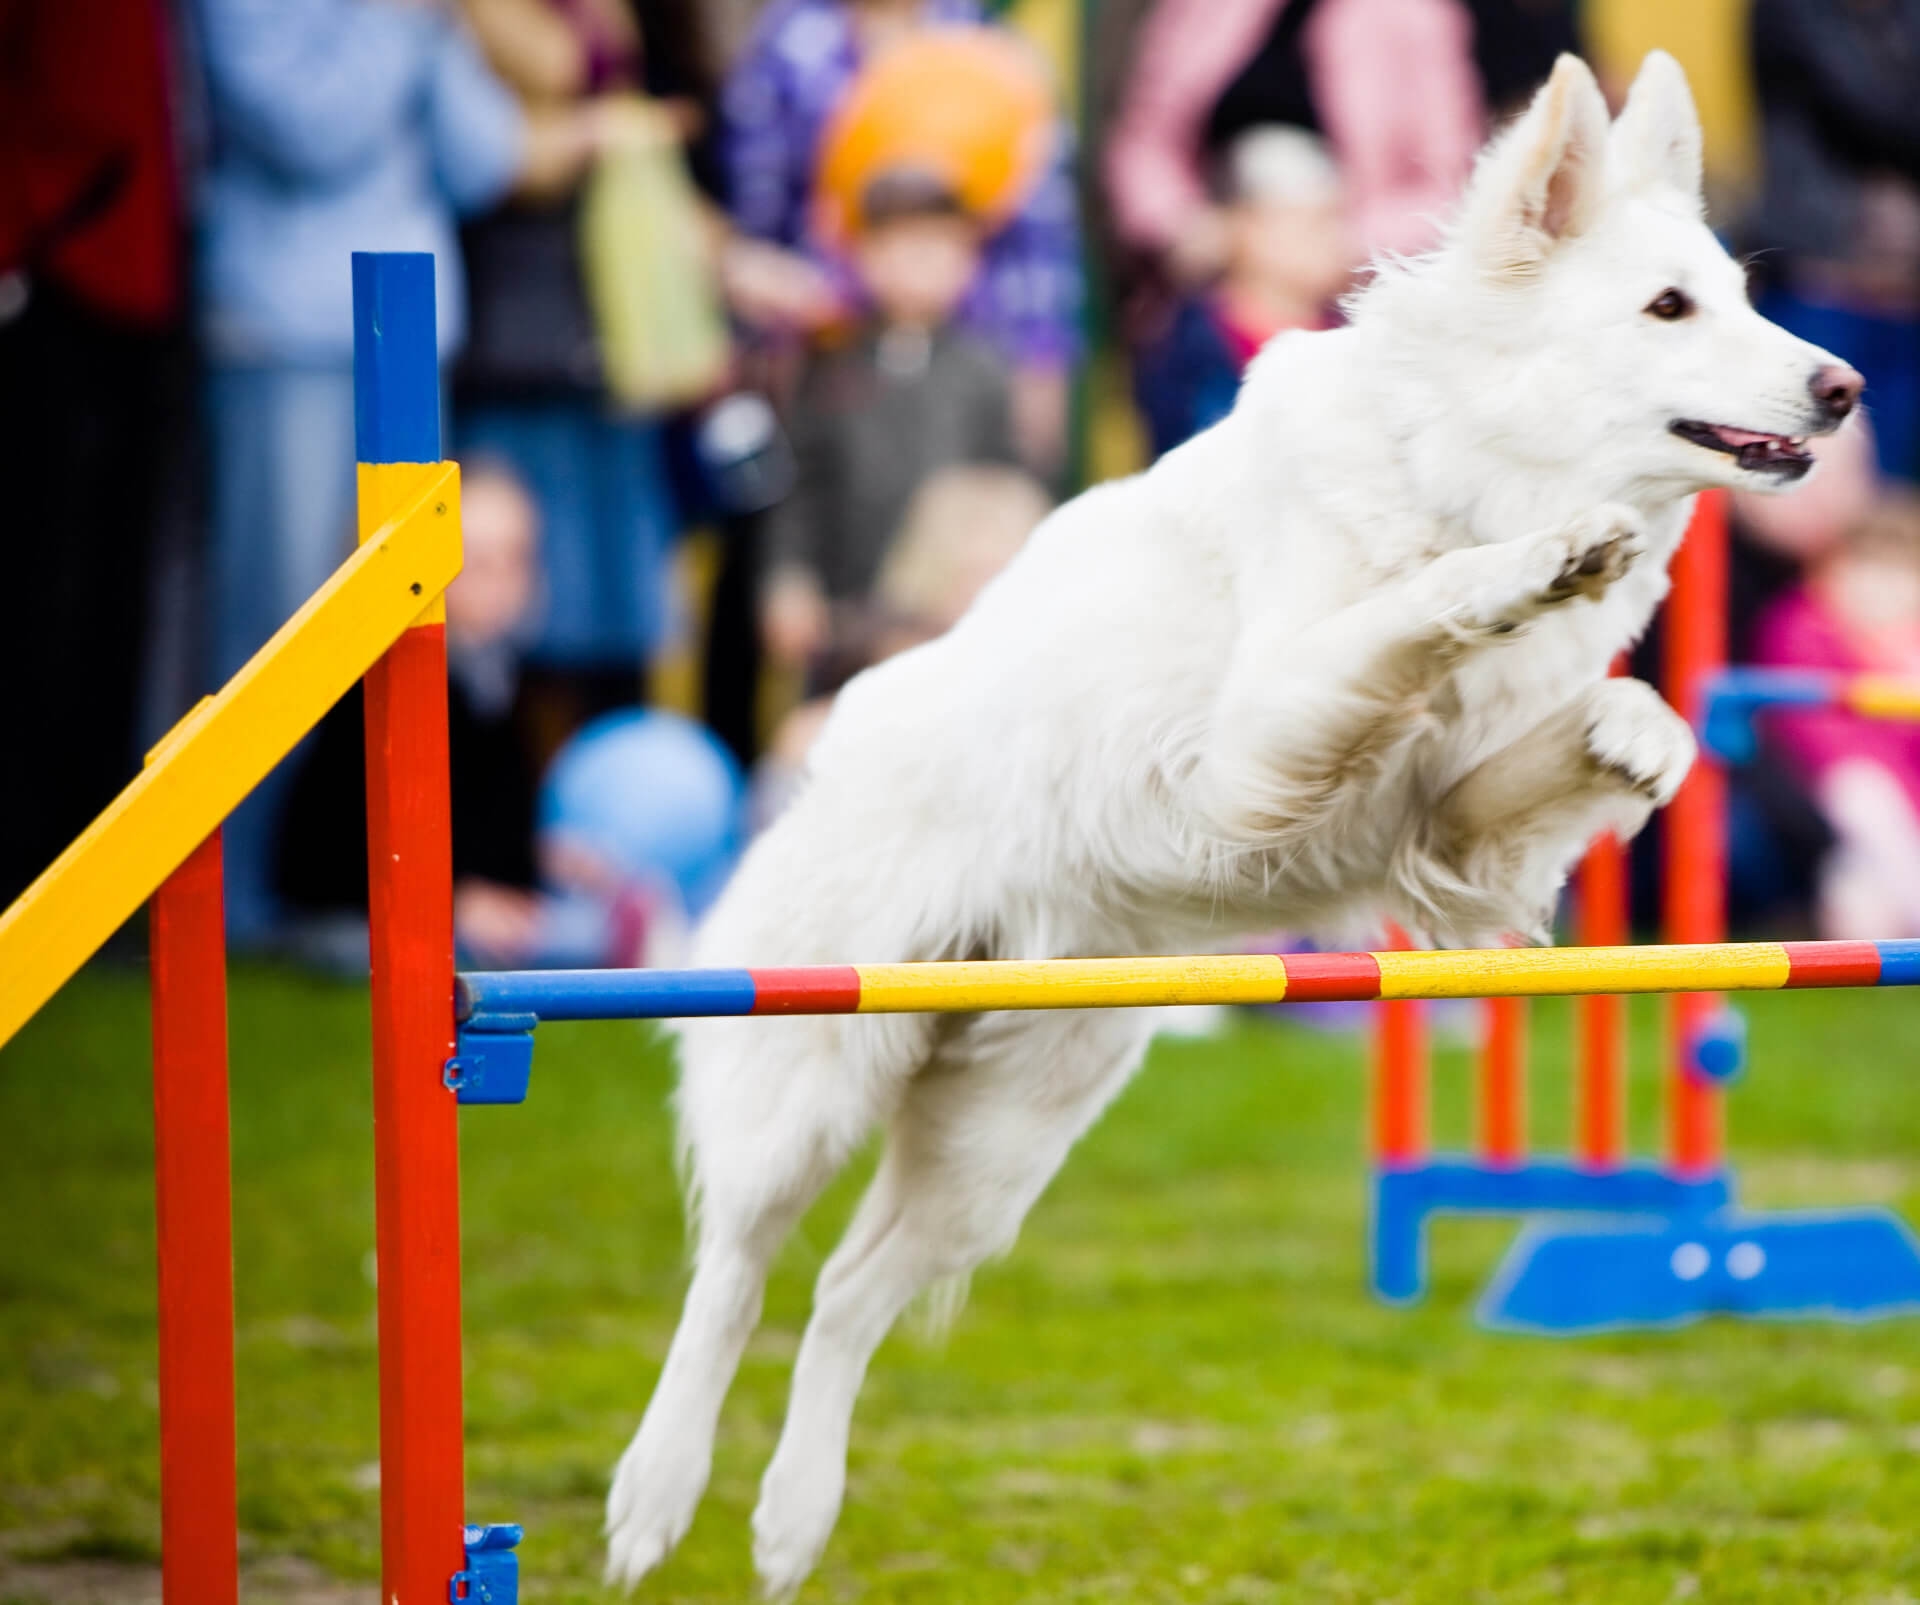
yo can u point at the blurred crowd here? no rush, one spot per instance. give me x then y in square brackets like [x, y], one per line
[769, 331]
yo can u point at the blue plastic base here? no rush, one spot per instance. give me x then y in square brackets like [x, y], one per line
[1404, 1199]
[1840, 1265]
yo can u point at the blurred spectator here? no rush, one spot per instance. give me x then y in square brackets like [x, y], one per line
[907, 394]
[336, 126]
[532, 386]
[797, 66]
[1856, 611]
[1838, 223]
[323, 847]
[963, 526]
[1391, 84]
[533, 881]
[92, 363]
[1288, 255]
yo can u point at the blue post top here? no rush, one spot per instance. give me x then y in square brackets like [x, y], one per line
[396, 358]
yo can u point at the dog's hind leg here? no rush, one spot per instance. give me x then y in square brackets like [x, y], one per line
[769, 1111]
[974, 1143]
[1301, 722]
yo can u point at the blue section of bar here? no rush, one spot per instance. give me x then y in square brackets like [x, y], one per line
[605, 994]
[396, 360]
[1899, 963]
[1733, 696]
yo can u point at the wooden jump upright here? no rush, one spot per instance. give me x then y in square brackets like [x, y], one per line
[410, 910]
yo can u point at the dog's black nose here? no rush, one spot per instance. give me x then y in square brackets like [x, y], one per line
[1836, 388]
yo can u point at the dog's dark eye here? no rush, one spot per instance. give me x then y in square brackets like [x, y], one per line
[1669, 306]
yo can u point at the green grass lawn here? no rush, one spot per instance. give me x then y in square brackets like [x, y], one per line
[1177, 1388]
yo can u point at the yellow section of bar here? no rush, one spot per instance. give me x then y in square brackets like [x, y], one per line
[1882, 697]
[1069, 983]
[208, 762]
[1567, 971]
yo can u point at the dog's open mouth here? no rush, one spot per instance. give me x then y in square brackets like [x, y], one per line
[1783, 456]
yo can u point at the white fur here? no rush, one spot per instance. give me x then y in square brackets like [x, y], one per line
[1343, 656]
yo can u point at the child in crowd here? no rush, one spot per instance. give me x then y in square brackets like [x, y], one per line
[540, 876]
[963, 526]
[903, 394]
[1289, 255]
[1858, 611]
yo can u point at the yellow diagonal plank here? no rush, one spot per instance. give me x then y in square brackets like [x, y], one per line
[225, 747]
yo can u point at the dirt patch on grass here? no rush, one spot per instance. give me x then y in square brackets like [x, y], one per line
[112, 1582]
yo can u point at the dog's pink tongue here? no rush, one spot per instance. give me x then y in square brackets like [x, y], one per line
[1742, 437]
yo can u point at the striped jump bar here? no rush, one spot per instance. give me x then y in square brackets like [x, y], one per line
[1153, 982]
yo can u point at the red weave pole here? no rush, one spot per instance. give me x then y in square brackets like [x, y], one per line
[1601, 1135]
[1400, 1076]
[1503, 1082]
[1696, 847]
[416, 1138]
[193, 1195]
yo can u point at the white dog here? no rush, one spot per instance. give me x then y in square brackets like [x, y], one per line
[1344, 656]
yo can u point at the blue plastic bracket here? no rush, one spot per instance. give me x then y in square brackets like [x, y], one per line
[492, 1573]
[493, 1058]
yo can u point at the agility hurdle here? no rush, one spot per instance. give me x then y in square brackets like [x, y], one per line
[441, 1041]
[1673, 1248]
[1700, 1256]
[379, 619]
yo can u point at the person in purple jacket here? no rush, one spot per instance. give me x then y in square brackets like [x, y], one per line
[800, 60]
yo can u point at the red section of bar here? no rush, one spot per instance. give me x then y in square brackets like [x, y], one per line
[415, 1136]
[1503, 1082]
[1399, 1076]
[192, 1174]
[819, 989]
[1601, 1139]
[1696, 840]
[1832, 963]
[1332, 977]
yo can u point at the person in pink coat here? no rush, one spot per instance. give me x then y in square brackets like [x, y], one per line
[1390, 84]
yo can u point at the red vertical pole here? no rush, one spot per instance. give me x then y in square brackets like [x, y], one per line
[1503, 1082]
[1602, 1107]
[193, 1194]
[410, 908]
[1696, 847]
[1400, 1077]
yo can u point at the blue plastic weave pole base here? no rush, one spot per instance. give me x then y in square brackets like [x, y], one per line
[1405, 1198]
[1833, 1265]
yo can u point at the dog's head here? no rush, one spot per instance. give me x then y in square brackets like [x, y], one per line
[1617, 326]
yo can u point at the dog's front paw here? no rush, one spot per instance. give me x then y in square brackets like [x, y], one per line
[1508, 585]
[1594, 551]
[1638, 740]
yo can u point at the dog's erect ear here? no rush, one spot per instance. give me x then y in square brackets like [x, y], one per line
[1656, 140]
[1543, 182]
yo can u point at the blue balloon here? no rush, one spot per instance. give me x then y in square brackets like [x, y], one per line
[654, 794]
